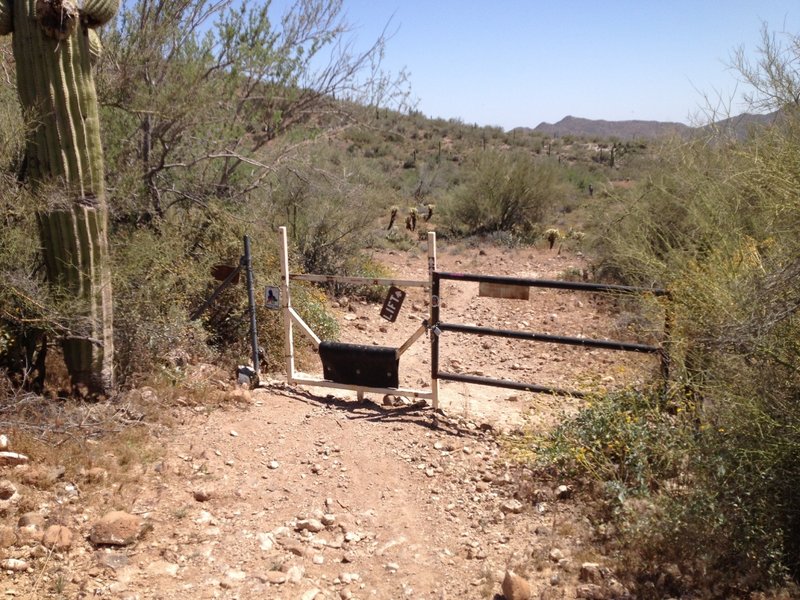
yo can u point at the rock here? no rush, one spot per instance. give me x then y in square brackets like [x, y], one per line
[57, 537]
[116, 528]
[162, 568]
[31, 528]
[295, 573]
[294, 547]
[511, 506]
[112, 560]
[274, 464]
[275, 577]
[8, 496]
[312, 525]
[202, 494]
[234, 575]
[240, 394]
[7, 536]
[96, 475]
[8, 459]
[563, 492]
[310, 594]
[13, 564]
[515, 587]
[40, 476]
[266, 541]
[590, 573]
[556, 555]
[590, 592]
[3, 442]
[349, 577]
[328, 519]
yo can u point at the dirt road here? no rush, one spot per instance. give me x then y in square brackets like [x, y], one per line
[296, 495]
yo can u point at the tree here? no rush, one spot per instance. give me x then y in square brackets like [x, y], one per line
[506, 192]
[250, 81]
[774, 78]
[54, 47]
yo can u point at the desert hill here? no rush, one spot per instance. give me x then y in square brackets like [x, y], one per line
[636, 129]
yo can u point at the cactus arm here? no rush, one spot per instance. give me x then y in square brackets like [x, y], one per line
[6, 17]
[95, 13]
[95, 46]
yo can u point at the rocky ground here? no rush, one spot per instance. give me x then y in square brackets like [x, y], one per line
[292, 493]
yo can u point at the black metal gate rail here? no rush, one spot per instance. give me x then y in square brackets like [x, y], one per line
[439, 327]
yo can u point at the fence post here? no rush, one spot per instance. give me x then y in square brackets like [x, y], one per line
[286, 304]
[251, 299]
[434, 319]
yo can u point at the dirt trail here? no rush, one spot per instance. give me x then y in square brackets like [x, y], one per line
[299, 496]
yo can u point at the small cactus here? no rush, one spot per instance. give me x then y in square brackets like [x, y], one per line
[411, 219]
[392, 218]
[54, 48]
[552, 236]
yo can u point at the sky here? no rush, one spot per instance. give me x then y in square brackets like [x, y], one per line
[517, 63]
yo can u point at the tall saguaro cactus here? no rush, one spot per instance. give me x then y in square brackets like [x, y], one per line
[54, 46]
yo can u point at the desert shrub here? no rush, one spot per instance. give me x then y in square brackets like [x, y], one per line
[659, 475]
[157, 284]
[624, 440]
[503, 192]
[718, 226]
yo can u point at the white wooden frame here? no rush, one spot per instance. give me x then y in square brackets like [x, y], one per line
[291, 318]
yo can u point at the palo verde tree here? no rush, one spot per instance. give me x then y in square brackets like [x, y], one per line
[200, 93]
[54, 47]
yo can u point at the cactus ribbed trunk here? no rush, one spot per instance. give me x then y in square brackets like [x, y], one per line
[54, 52]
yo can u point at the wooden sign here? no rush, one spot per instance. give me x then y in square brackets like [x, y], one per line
[392, 304]
[505, 291]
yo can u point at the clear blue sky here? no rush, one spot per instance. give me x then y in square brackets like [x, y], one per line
[517, 63]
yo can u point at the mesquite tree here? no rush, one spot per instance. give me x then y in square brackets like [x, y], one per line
[54, 47]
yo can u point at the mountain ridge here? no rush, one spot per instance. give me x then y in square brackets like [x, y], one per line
[738, 125]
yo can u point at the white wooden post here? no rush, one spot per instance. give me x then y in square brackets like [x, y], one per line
[286, 306]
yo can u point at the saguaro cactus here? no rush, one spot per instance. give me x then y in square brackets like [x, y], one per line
[54, 49]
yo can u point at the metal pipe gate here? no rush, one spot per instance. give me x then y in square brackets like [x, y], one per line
[439, 327]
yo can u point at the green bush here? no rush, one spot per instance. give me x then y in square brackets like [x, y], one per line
[503, 192]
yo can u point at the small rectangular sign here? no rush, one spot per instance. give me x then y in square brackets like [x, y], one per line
[507, 292]
[392, 304]
[272, 297]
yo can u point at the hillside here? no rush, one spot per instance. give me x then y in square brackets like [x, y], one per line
[624, 130]
[628, 130]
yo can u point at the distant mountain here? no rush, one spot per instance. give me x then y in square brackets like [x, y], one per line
[624, 130]
[739, 126]
[629, 130]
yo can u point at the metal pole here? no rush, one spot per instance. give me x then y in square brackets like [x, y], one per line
[433, 318]
[435, 336]
[251, 298]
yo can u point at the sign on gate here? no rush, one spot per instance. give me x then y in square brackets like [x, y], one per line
[505, 291]
[272, 297]
[392, 304]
